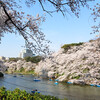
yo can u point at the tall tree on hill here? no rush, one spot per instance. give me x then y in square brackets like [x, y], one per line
[15, 21]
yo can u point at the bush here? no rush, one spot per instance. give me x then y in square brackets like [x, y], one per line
[91, 40]
[18, 94]
[76, 77]
[35, 59]
[22, 69]
[86, 70]
[14, 59]
[68, 46]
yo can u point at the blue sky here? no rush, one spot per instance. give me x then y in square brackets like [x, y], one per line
[58, 29]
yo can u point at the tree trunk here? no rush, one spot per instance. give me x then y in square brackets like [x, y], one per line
[1, 74]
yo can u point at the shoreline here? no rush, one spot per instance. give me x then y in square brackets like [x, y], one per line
[55, 80]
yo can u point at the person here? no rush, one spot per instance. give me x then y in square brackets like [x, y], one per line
[33, 91]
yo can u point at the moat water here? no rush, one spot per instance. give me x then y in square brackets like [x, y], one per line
[46, 87]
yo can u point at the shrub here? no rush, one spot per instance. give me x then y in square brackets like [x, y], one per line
[91, 40]
[22, 69]
[90, 64]
[18, 94]
[14, 59]
[84, 58]
[80, 65]
[68, 46]
[76, 77]
[86, 70]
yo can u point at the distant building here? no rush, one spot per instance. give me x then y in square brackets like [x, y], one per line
[26, 53]
[3, 58]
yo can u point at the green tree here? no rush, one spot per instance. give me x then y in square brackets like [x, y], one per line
[35, 59]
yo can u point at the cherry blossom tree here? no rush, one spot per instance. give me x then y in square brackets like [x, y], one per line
[15, 21]
[96, 18]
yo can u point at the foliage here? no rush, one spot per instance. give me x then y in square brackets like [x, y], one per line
[91, 40]
[86, 70]
[18, 94]
[22, 71]
[30, 72]
[96, 39]
[80, 65]
[68, 46]
[84, 58]
[34, 59]
[14, 59]
[76, 77]
[98, 71]
[57, 75]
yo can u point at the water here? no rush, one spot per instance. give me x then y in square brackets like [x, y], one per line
[46, 87]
